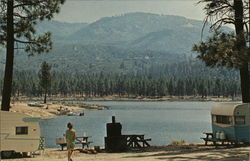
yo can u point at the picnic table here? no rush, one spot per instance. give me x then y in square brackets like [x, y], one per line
[79, 140]
[210, 138]
[137, 141]
[83, 140]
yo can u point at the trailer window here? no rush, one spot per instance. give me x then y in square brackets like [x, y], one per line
[223, 119]
[23, 130]
[239, 120]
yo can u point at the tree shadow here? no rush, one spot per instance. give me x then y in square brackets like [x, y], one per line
[197, 153]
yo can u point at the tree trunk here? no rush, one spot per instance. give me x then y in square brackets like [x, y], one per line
[7, 85]
[244, 72]
[245, 85]
[45, 96]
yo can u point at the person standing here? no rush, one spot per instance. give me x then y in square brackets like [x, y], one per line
[70, 139]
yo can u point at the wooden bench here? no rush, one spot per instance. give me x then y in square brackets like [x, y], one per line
[62, 145]
[61, 142]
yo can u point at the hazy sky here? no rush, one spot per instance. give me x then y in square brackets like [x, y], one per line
[92, 10]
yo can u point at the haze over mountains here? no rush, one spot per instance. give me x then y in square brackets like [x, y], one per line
[121, 43]
[137, 30]
[140, 30]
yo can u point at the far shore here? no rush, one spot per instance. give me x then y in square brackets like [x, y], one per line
[128, 98]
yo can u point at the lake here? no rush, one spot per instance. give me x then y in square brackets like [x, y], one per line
[162, 121]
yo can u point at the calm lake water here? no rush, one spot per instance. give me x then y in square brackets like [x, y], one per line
[162, 121]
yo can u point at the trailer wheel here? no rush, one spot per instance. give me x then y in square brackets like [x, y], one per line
[6, 154]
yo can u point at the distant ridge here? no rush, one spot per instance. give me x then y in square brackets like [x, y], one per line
[132, 27]
[136, 40]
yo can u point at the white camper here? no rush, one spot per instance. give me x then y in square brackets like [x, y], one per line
[18, 132]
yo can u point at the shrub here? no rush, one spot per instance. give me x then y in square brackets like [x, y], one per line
[178, 142]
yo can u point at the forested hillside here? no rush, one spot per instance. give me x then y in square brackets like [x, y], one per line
[97, 58]
[132, 54]
[189, 78]
[129, 41]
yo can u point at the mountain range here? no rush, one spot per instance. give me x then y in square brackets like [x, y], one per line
[119, 43]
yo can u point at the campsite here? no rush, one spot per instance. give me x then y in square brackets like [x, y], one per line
[192, 147]
[124, 80]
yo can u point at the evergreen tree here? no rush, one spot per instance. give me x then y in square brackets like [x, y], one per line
[228, 49]
[17, 20]
[45, 79]
[171, 88]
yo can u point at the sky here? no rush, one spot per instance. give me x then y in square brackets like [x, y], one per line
[92, 10]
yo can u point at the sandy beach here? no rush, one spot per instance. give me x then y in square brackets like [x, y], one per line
[48, 110]
[176, 153]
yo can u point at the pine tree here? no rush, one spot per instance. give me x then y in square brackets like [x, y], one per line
[228, 49]
[45, 78]
[17, 20]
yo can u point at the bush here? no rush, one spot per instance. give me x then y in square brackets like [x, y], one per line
[178, 142]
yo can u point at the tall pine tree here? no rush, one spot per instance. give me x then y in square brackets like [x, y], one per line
[45, 79]
[17, 20]
[228, 49]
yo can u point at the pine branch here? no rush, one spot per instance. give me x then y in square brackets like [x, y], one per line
[20, 16]
[221, 22]
[218, 10]
[26, 42]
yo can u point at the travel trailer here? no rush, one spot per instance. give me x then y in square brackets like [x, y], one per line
[18, 133]
[231, 121]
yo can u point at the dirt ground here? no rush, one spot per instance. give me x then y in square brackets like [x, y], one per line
[171, 153]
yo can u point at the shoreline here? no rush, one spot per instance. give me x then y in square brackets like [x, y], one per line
[126, 98]
[51, 110]
[77, 104]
